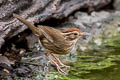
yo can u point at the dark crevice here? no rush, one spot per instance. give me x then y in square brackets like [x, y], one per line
[108, 7]
[51, 22]
[19, 41]
[89, 10]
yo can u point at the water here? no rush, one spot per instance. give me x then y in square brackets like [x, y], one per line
[112, 73]
[96, 65]
[109, 69]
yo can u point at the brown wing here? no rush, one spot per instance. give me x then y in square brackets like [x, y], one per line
[54, 37]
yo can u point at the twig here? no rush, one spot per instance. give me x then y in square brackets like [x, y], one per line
[29, 63]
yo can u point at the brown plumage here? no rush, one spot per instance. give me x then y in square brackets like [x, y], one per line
[55, 41]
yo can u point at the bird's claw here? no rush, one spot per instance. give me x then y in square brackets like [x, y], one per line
[65, 66]
[59, 68]
[61, 71]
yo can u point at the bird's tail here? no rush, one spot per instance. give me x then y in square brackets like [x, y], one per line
[31, 26]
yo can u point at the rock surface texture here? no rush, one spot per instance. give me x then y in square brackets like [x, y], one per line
[37, 11]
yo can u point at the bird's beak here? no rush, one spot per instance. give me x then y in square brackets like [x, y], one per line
[85, 34]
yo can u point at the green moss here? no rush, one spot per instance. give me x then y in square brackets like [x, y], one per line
[114, 41]
[67, 78]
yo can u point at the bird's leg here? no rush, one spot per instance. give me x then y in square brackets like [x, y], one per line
[58, 61]
[57, 66]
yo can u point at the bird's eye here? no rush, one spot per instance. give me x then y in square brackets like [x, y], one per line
[75, 34]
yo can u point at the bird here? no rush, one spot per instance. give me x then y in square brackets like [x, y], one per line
[55, 41]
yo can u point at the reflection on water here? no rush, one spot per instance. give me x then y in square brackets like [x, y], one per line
[112, 73]
[109, 69]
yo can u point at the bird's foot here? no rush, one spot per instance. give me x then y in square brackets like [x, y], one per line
[65, 66]
[57, 66]
[60, 70]
[59, 62]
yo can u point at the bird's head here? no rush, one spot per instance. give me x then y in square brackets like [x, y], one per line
[72, 33]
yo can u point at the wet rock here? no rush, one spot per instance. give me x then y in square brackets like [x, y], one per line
[99, 24]
[116, 4]
[23, 71]
[4, 60]
[5, 68]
